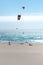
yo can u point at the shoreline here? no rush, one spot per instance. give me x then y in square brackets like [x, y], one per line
[21, 54]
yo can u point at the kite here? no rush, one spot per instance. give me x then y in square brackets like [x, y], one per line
[19, 15]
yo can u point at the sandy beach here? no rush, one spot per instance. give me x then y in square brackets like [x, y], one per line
[21, 54]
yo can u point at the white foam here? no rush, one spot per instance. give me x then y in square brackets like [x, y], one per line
[41, 41]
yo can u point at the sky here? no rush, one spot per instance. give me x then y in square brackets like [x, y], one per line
[32, 14]
[14, 7]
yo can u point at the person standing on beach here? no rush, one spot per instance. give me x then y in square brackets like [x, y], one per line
[9, 43]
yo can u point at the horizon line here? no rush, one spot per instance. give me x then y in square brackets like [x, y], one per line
[23, 18]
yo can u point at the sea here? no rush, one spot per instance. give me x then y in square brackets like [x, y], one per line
[22, 35]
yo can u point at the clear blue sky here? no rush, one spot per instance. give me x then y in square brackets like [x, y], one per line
[13, 7]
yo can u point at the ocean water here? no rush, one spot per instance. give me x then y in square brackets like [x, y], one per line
[21, 35]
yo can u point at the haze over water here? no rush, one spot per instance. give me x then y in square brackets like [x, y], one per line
[18, 32]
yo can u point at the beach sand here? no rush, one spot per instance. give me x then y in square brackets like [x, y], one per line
[21, 54]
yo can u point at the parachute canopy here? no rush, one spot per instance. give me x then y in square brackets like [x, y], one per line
[18, 16]
[23, 7]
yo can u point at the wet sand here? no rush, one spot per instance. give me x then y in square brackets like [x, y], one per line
[21, 54]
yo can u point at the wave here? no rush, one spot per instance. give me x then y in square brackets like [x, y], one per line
[41, 41]
[19, 37]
